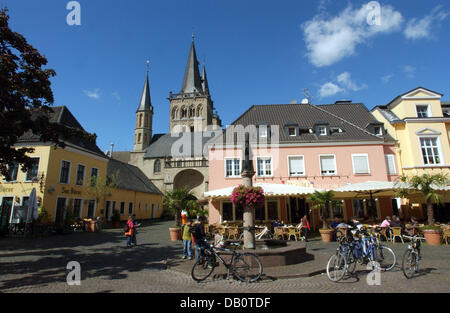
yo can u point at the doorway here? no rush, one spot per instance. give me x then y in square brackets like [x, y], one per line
[60, 212]
[5, 213]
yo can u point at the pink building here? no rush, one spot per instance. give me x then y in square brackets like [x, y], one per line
[296, 149]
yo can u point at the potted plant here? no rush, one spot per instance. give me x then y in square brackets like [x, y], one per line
[433, 234]
[115, 219]
[174, 202]
[321, 201]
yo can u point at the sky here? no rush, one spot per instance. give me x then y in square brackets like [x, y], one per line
[256, 52]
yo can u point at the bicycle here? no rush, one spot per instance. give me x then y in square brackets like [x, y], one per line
[244, 266]
[343, 261]
[412, 257]
[264, 234]
[375, 253]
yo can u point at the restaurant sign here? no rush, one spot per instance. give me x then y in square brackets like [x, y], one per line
[71, 191]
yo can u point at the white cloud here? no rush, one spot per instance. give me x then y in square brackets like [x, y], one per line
[346, 81]
[387, 78]
[418, 29]
[95, 94]
[329, 89]
[343, 84]
[328, 40]
[409, 70]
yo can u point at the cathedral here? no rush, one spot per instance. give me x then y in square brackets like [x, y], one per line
[178, 158]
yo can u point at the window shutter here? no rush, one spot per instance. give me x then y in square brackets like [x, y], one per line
[360, 163]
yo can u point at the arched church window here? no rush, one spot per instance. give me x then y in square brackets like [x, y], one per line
[157, 166]
[199, 111]
[183, 112]
[174, 113]
[139, 138]
[191, 111]
[140, 120]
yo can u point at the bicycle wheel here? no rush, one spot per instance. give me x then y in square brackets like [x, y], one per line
[410, 264]
[247, 267]
[351, 262]
[385, 257]
[203, 268]
[336, 267]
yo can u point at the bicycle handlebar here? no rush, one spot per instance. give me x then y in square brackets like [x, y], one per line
[414, 237]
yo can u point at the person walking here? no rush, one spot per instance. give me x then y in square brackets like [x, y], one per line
[187, 239]
[130, 232]
[305, 226]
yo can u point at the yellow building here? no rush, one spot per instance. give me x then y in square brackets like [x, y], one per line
[62, 179]
[420, 124]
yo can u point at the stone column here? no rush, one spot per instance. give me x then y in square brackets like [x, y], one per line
[249, 212]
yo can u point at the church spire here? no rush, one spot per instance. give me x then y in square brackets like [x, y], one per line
[145, 104]
[192, 81]
[205, 81]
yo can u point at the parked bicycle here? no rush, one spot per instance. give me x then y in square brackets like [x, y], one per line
[375, 253]
[244, 266]
[344, 260]
[412, 257]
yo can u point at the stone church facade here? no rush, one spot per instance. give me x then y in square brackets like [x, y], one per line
[178, 158]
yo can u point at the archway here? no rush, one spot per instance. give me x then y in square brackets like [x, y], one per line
[191, 179]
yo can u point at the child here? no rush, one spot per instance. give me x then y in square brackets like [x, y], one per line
[187, 239]
[218, 240]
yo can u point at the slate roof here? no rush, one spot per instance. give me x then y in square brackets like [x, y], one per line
[351, 118]
[162, 145]
[131, 177]
[146, 103]
[62, 115]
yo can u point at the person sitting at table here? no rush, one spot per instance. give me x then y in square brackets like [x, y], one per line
[335, 222]
[277, 223]
[396, 222]
[411, 228]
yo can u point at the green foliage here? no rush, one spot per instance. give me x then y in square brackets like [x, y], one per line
[429, 227]
[177, 200]
[427, 185]
[25, 98]
[70, 218]
[44, 216]
[320, 201]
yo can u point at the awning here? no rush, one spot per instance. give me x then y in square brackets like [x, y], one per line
[369, 188]
[269, 190]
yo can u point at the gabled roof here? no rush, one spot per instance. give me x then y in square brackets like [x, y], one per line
[431, 92]
[62, 115]
[131, 178]
[351, 118]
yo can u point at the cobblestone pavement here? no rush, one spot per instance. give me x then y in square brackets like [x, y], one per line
[39, 265]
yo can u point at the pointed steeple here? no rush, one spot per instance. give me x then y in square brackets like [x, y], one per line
[205, 81]
[145, 104]
[192, 81]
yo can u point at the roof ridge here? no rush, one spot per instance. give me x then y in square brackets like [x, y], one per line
[344, 120]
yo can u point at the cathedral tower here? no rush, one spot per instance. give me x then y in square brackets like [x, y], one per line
[191, 110]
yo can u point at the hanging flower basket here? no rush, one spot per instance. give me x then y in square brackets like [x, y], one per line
[248, 196]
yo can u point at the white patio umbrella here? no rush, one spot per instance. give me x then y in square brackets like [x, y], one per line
[32, 210]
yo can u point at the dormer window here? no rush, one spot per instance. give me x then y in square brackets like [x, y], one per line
[322, 130]
[263, 131]
[292, 131]
[378, 130]
[423, 111]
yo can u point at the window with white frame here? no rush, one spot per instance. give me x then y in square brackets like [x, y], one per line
[292, 132]
[322, 131]
[430, 150]
[32, 173]
[263, 131]
[13, 171]
[65, 172]
[264, 166]
[233, 167]
[378, 130]
[360, 164]
[390, 164]
[422, 111]
[296, 166]
[328, 165]
[80, 175]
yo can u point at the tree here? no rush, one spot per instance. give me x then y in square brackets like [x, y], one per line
[177, 200]
[427, 185]
[100, 188]
[25, 99]
[322, 201]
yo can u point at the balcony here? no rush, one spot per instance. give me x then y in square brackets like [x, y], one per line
[186, 163]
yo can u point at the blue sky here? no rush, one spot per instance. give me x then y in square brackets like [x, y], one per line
[256, 52]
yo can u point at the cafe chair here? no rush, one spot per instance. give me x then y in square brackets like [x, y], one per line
[396, 232]
[446, 234]
[233, 232]
[278, 232]
[383, 233]
[293, 232]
